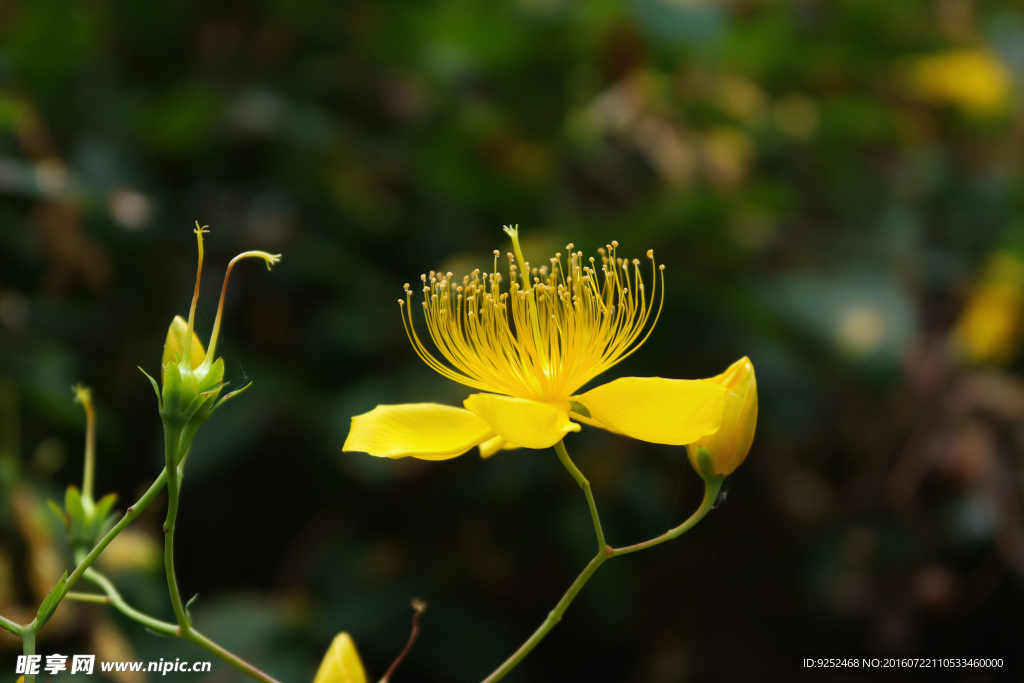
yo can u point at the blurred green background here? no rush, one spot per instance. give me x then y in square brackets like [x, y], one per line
[834, 186]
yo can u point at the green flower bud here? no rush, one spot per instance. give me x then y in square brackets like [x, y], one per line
[190, 380]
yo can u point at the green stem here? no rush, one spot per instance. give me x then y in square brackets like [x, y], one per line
[28, 640]
[172, 438]
[563, 455]
[10, 626]
[216, 650]
[711, 487]
[553, 618]
[113, 597]
[94, 598]
[89, 473]
[604, 553]
[133, 512]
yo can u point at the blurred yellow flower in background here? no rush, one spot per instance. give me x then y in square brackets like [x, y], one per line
[341, 664]
[990, 327]
[529, 350]
[974, 80]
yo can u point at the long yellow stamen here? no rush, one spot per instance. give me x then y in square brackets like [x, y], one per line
[553, 330]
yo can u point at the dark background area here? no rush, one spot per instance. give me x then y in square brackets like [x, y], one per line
[835, 189]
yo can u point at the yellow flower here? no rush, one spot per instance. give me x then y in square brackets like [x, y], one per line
[974, 80]
[341, 664]
[730, 444]
[529, 350]
[989, 329]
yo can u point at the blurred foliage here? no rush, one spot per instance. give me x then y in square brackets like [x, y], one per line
[832, 185]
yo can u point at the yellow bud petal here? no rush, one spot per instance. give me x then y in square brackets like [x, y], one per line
[341, 664]
[174, 346]
[731, 443]
[492, 446]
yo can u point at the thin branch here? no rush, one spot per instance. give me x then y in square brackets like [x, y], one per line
[420, 608]
[712, 485]
[563, 456]
[94, 598]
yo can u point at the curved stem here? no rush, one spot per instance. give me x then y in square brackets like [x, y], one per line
[171, 439]
[711, 487]
[563, 455]
[419, 606]
[113, 597]
[216, 650]
[554, 617]
[604, 553]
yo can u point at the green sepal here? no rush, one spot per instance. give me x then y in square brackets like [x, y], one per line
[78, 519]
[156, 387]
[579, 408]
[49, 605]
[171, 390]
[234, 393]
[705, 467]
[59, 511]
[101, 521]
[104, 506]
[214, 376]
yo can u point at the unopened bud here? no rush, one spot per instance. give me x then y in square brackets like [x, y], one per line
[722, 452]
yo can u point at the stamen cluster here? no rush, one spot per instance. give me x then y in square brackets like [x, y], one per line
[557, 327]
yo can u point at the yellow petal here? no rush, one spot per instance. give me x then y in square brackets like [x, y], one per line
[492, 446]
[530, 424]
[174, 346]
[423, 430]
[341, 664]
[729, 445]
[669, 411]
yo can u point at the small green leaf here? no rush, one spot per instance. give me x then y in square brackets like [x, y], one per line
[156, 387]
[188, 608]
[57, 510]
[51, 601]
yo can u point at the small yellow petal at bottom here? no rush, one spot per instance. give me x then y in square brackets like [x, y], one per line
[529, 424]
[341, 664]
[492, 446]
[675, 412]
[428, 431]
